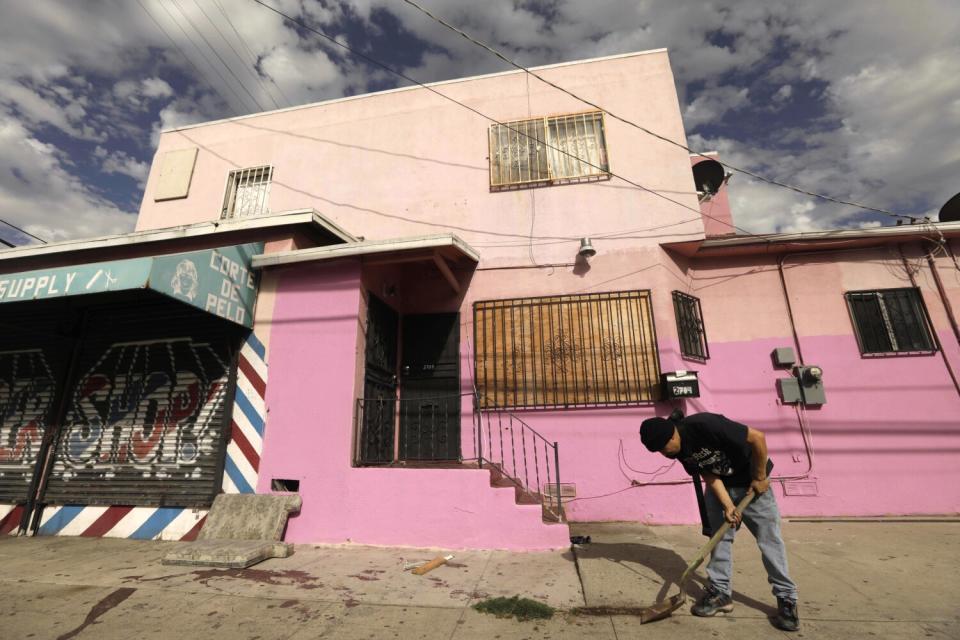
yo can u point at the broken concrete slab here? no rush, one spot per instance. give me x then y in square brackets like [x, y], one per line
[245, 516]
[241, 530]
[234, 554]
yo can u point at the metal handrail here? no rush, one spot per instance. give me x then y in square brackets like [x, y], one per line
[527, 475]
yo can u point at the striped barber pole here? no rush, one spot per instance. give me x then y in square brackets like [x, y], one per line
[10, 515]
[242, 466]
[241, 470]
[141, 523]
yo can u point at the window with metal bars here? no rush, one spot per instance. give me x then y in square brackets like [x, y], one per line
[550, 150]
[248, 192]
[690, 329]
[889, 321]
[597, 349]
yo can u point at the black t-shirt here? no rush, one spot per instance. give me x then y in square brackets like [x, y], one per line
[712, 443]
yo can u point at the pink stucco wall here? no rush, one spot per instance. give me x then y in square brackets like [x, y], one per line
[408, 162]
[886, 442]
[309, 434]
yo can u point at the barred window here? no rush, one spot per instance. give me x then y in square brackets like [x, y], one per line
[565, 351]
[890, 321]
[248, 192]
[539, 151]
[693, 336]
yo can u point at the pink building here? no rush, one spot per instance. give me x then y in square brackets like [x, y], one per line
[443, 328]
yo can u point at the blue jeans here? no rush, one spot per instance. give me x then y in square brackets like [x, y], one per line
[763, 519]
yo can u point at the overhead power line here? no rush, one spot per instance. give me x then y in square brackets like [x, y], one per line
[26, 233]
[200, 73]
[752, 174]
[400, 74]
[205, 58]
[219, 57]
[243, 63]
[246, 47]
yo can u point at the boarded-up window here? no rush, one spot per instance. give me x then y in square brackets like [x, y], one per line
[539, 151]
[565, 351]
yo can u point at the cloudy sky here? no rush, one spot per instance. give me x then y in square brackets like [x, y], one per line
[857, 99]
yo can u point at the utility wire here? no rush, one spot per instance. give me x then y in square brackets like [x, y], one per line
[256, 76]
[253, 56]
[653, 133]
[219, 57]
[26, 233]
[204, 56]
[400, 74]
[200, 74]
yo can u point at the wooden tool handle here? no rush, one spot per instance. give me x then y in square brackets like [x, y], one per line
[719, 533]
[430, 566]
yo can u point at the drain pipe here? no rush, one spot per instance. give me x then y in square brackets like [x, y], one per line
[943, 296]
[933, 330]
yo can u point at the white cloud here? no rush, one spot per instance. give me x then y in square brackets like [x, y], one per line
[783, 93]
[890, 85]
[711, 106]
[40, 195]
[122, 163]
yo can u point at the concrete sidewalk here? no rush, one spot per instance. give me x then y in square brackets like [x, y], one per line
[857, 580]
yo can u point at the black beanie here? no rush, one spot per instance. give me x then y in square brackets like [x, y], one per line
[655, 433]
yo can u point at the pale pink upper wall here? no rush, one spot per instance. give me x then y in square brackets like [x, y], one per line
[409, 162]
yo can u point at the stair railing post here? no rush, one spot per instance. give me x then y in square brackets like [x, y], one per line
[556, 466]
[477, 431]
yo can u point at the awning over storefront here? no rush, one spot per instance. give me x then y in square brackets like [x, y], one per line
[218, 281]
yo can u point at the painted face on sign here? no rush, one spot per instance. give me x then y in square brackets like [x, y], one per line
[185, 280]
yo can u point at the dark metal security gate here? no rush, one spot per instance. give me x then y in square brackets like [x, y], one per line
[35, 347]
[430, 387]
[120, 404]
[146, 413]
[376, 411]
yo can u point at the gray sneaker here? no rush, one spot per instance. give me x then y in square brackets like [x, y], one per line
[787, 617]
[712, 603]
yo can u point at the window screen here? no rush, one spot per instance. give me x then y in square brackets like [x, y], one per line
[582, 350]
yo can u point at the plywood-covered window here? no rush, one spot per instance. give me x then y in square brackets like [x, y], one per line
[538, 151]
[596, 349]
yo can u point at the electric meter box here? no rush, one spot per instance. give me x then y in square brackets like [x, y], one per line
[680, 384]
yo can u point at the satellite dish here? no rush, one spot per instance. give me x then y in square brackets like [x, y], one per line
[708, 176]
[950, 212]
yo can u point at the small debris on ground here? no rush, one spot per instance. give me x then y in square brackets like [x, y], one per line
[579, 539]
[433, 564]
[520, 608]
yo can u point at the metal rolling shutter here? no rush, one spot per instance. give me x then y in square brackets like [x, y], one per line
[34, 351]
[148, 409]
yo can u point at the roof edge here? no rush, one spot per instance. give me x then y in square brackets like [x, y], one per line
[357, 249]
[199, 229]
[439, 83]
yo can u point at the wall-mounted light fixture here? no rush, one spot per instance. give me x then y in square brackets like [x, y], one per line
[586, 249]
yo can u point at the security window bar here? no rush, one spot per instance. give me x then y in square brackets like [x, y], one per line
[248, 192]
[693, 336]
[550, 150]
[566, 351]
[890, 321]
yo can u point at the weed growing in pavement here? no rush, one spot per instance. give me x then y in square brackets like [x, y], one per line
[520, 608]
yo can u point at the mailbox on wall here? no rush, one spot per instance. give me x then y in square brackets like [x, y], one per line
[680, 384]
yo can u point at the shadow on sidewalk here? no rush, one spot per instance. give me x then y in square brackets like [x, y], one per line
[647, 561]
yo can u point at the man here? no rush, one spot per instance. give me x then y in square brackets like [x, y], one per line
[732, 459]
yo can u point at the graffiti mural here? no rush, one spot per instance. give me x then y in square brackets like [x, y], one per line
[144, 413]
[27, 388]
